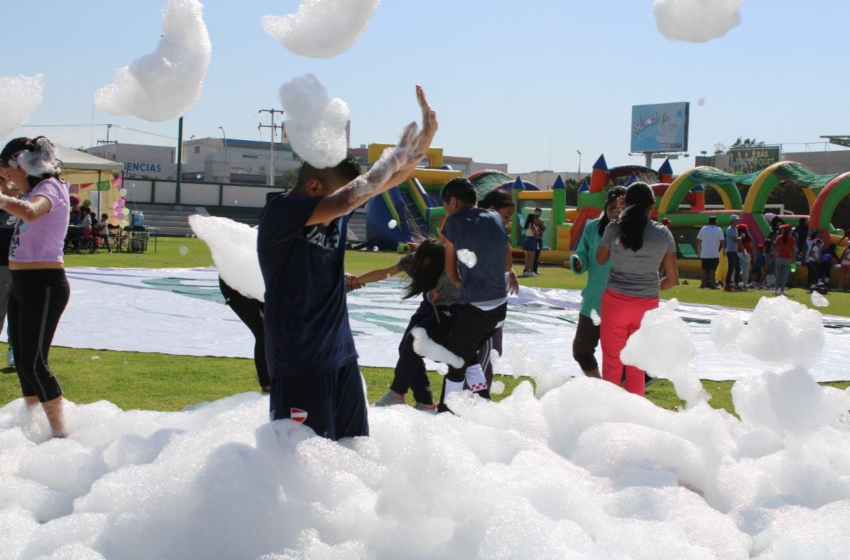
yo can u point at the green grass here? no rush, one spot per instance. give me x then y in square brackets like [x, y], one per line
[168, 383]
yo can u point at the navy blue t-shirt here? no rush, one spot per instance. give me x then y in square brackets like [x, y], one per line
[306, 315]
[482, 232]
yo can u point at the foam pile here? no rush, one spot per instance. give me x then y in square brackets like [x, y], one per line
[696, 21]
[586, 471]
[315, 123]
[165, 84]
[234, 249]
[322, 28]
[20, 96]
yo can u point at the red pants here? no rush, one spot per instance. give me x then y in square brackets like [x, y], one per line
[621, 317]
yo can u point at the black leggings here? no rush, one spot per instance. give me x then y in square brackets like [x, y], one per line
[36, 304]
[585, 343]
[250, 311]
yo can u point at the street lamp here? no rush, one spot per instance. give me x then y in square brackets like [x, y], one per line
[226, 161]
[579, 165]
[704, 158]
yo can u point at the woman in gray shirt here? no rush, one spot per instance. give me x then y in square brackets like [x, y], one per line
[638, 249]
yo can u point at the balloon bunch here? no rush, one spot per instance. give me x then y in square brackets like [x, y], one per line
[119, 210]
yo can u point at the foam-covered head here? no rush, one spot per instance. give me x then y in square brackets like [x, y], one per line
[321, 28]
[165, 84]
[315, 123]
[696, 21]
[20, 96]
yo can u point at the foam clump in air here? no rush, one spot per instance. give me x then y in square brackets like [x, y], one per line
[315, 123]
[20, 96]
[696, 21]
[663, 347]
[234, 249]
[467, 257]
[321, 28]
[165, 84]
[392, 224]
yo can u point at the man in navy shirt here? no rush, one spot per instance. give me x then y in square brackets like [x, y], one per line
[477, 257]
[301, 241]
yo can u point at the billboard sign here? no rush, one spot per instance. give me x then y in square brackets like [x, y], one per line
[660, 128]
[743, 161]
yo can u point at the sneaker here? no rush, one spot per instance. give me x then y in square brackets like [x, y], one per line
[648, 380]
[527, 274]
[10, 358]
[728, 289]
[776, 292]
[430, 408]
[390, 399]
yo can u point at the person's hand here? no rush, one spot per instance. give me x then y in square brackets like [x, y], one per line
[513, 283]
[351, 283]
[577, 264]
[400, 161]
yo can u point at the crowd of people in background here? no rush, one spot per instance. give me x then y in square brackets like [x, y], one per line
[768, 265]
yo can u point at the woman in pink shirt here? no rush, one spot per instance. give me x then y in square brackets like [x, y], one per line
[40, 290]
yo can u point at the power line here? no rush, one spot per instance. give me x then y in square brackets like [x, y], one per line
[103, 124]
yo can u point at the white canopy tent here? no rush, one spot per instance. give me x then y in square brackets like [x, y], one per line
[87, 175]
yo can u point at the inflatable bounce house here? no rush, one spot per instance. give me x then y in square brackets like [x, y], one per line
[413, 209]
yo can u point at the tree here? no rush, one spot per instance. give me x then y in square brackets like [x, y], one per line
[288, 179]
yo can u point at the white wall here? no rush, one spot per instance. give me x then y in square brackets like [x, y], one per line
[250, 197]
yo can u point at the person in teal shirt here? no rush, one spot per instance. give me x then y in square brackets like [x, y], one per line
[584, 260]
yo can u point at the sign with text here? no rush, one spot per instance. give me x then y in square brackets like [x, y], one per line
[660, 128]
[743, 161]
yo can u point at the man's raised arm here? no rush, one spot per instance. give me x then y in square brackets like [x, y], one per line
[394, 166]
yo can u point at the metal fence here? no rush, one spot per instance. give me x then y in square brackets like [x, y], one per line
[150, 191]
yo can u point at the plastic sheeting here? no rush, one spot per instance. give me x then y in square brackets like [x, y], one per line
[181, 311]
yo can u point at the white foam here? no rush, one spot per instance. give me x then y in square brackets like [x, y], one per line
[594, 316]
[392, 224]
[696, 21]
[165, 84]
[675, 360]
[726, 330]
[818, 300]
[321, 28]
[315, 123]
[234, 249]
[20, 96]
[785, 333]
[467, 257]
[184, 250]
[427, 348]
[497, 388]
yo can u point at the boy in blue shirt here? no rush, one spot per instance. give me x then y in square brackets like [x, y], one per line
[315, 379]
[477, 257]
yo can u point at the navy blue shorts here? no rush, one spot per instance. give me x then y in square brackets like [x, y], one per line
[332, 403]
[530, 244]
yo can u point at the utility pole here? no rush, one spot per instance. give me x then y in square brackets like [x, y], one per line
[274, 129]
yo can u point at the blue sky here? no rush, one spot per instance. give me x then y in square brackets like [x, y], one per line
[507, 77]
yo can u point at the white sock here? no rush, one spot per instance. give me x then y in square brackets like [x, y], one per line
[453, 387]
[475, 378]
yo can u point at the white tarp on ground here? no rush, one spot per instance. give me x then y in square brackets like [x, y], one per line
[181, 311]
